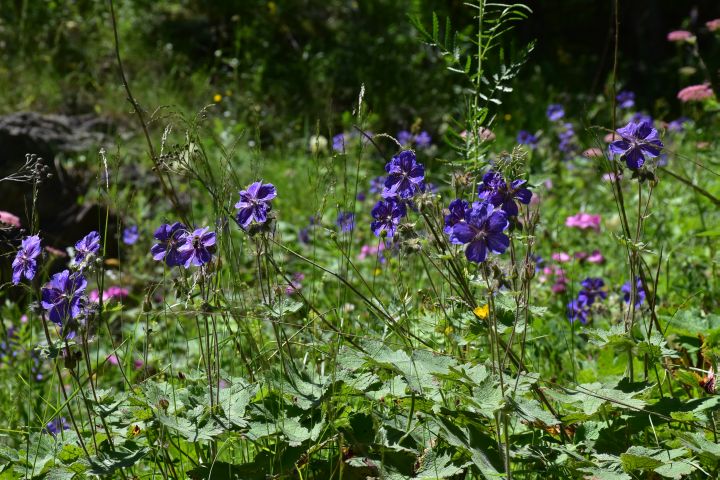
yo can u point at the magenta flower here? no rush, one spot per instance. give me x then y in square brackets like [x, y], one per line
[114, 292]
[583, 221]
[561, 257]
[680, 36]
[595, 257]
[695, 93]
[9, 219]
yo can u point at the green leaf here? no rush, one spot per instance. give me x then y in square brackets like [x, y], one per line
[639, 458]
[433, 467]
[122, 457]
[675, 470]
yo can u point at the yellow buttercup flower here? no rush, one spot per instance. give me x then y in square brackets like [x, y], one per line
[482, 312]
[217, 98]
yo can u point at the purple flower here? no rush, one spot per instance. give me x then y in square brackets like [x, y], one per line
[592, 291]
[640, 294]
[423, 139]
[304, 235]
[377, 185]
[346, 221]
[89, 245]
[625, 99]
[555, 112]
[566, 137]
[496, 190]
[54, 426]
[526, 138]
[254, 204]
[339, 142]
[197, 247]
[404, 138]
[62, 296]
[170, 238]
[457, 210]
[130, 235]
[25, 263]
[678, 125]
[640, 117]
[387, 214]
[638, 140]
[577, 310]
[405, 176]
[482, 230]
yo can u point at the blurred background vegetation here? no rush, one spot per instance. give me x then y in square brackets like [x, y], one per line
[289, 67]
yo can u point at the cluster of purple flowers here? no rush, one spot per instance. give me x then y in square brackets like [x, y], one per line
[567, 138]
[405, 178]
[341, 141]
[421, 140]
[526, 138]
[592, 291]
[346, 221]
[63, 296]
[177, 245]
[481, 226]
[500, 193]
[637, 140]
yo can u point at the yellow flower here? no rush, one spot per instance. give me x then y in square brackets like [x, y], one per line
[482, 312]
[217, 98]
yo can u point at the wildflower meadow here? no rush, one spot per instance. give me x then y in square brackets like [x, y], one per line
[359, 240]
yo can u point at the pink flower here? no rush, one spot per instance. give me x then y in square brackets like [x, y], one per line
[611, 137]
[593, 153]
[713, 25]
[370, 250]
[695, 93]
[561, 257]
[112, 359]
[295, 285]
[611, 177]
[583, 221]
[680, 36]
[138, 364]
[580, 256]
[485, 134]
[112, 293]
[9, 219]
[559, 287]
[596, 257]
